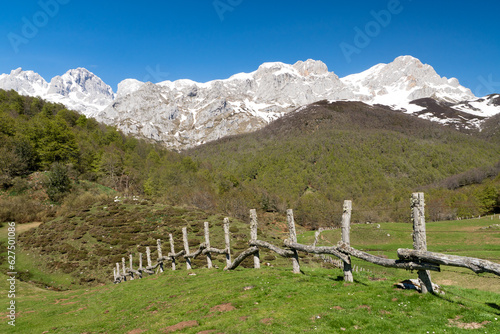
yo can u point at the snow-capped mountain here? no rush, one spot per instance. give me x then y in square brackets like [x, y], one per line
[185, 113]
[404, 80]
[78, 89]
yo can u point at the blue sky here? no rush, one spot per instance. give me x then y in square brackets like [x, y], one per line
[205, 40]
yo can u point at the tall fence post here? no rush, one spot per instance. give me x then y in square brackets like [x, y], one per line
[131, 268]
[346, 238]
[172, 250]
[228, 242]
[207, 243]
[160, 255]
[419, 237]
[293, 238]
[118, 270]
[186, 247]
[253, 236]
[140, 262]
[123, 269]
[148, 256]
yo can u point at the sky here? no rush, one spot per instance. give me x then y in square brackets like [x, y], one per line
[203, 40]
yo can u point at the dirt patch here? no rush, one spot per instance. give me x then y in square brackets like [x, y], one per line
[181, 325]
[466, 325]
[266, 321]
[80, 309]
[244, 318]
[209, 332]
[364, 307]
[384, 312]
[20, 228]
[69, 303]
[136, 331]
[337, 308]
[223, 308]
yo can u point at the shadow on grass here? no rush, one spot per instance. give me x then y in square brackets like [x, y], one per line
[341, 279]
[495, 306]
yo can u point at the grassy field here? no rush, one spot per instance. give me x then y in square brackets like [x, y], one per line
[272, 299]
[470, 237]
[269, 300]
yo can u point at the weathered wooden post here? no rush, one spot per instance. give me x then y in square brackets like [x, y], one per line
[228, 242]
[253, 236]
[419, 237]
[293, 238]
[346, 238]
[160, 255]
[207, 243]
[140, 261]
[117, 270]
[186, 248]
[114, 274]
[148, 256]
[131, 269]
[123, 269]
[172, 250]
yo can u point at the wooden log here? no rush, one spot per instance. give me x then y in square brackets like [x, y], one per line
[419, 237]
[172, 250]
[241, 257]
[176, 255]
[199, 251]
[214, 250]
[207, 243]
[227, 239]
[253, 236]
[160, 255]
[140, 261]
[474, 264]
[317, 250]
[293, 238]
[401, 264]
[265, 244]
[186, 248]
[346, 238]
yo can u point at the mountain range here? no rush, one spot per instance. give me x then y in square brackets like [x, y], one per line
[185, 113]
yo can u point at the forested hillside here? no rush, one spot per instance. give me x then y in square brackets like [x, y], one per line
[310, 160]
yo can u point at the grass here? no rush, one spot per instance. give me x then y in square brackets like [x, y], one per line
[469, 238]
[269, 300]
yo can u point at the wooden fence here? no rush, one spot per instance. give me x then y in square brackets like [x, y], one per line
[417, 258]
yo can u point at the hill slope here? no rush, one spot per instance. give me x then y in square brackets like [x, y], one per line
[315, 158]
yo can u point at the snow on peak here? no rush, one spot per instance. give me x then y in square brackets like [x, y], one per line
[402, 81]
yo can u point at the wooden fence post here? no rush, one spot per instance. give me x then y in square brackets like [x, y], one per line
[117, 270]
[140, 265]
[148, 256]
[419, 237]
[123, 269]
[186, 247]
[160, 255]
[293, 238]
[130, 263]
[253, 236]
[207, 243]
[114, 274]
[228, 242]
[346, 238]
[172, 250]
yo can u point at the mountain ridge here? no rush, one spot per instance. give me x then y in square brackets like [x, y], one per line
[184, 113]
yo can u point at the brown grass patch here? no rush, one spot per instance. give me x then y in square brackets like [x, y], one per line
[181, 325]
[466, 325]
[223, 308]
